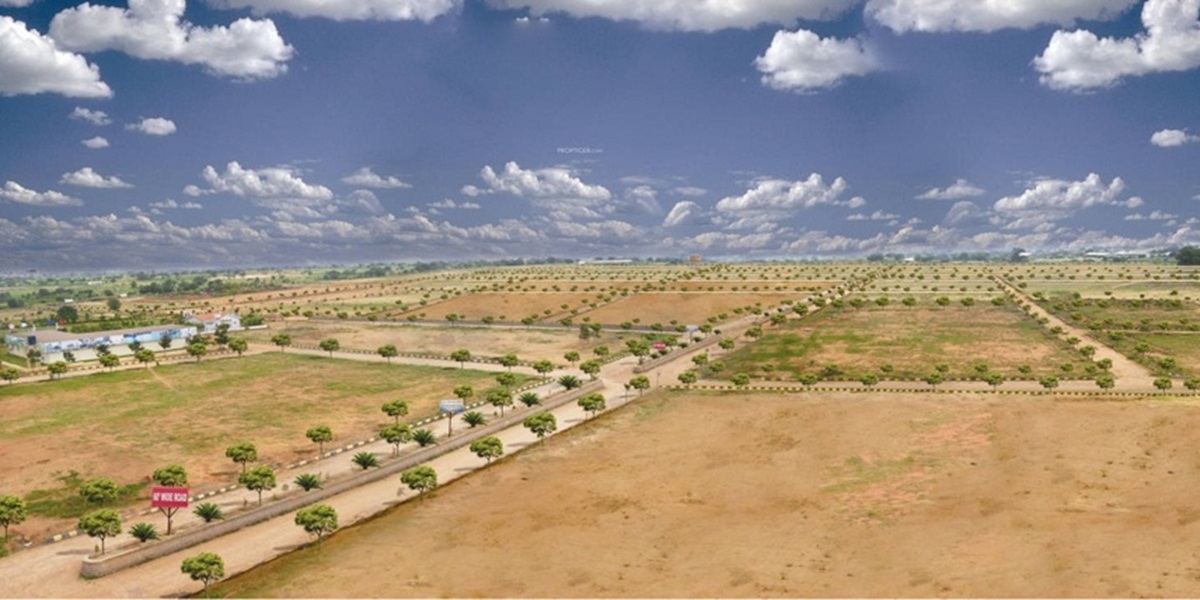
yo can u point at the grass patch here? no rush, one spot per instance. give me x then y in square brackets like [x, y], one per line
[64, 502]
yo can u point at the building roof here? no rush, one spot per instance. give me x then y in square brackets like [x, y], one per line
[54, 335]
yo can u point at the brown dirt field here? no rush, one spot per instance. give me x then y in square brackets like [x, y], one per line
[776, 285]
[688, 308]
[827, 496]
[511, 306]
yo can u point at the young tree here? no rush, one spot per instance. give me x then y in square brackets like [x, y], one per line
[221, 335]
[638, 348]
[1106, 382]
[641, 383]
[165, 341]
[934, 379]
[110, 361]
[396, 434]
[259, 479]
[10, 375]
[319, 435]
[209, 512]
[143, 532]
[506, 379]
[700, 359]
[57, 369]
[571, 357]
[170, 476]
[1192, 384]
[464, 392]
[329, 345]
[388, 352]
[500, 398]
[592, 403]
[308, 482]
[99, 491]
[474, 418]
[145, 356]
[32, 357]
[366, 460]
[1049, 382]
[994, 379]
[242, 453]
[1162, 383]
[530, 399]
[869, 380]
[319, 520]
[488, 448]
[420, 480]
[238, 345]
[461, 356]
[424, 437]
[103, 524]
[591, 368]
[541, 424]
[569, 382]
[13, 511]
[205, 567]
[543, 367]
[196, 351]
[740, 380]
[600, 351]
[688, 378]
[726, 344]
[395, 409]
[282, 340]
[508, 361]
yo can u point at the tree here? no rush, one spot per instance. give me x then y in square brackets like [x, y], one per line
[727, 344]
[935, 378]
[145, 356]
[754, 332]
[530, 399]
[103, 524]
[13, 511]
[1163, 383]
[110, 361]
[319, 520]
[196, 351]
[143, 532]
[329, 345]
[67, 313]
[591, 368]
[164, 342]
[238, 345]
[205, 567]
[688, 378]
[994, 379]
[474, 419]
[1188, 256]
[569, 382]
[396, 434]
[500, 398]
[282, 340]
[541, 424]
[221, 335]
[508, 361]
[259, 479]
[461, 356]
[740, 380]
[57, 369]
[1049, 382]
[424, 437]
[319, 435]
[1192, 384]
[99, 491]
[1106, 382]
[395, 409]
[1088, 351]
[600, 351]
[389, 352]
[638, 348]
[506, 379]
[242, 453]
[640, 383]
[308, 482]
[592, 403]
[32, 357]
[366, 460]
[69, 356]
[700, 359]
[420, 480]
[209, 511]
[808, 379]
[869, 380]
[113, 304]
[543, 367]
[170, 476]
[10, 375]
[488, 448]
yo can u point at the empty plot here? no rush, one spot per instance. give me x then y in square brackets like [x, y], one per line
[685, 308]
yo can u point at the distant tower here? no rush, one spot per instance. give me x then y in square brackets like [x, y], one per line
[694, 260]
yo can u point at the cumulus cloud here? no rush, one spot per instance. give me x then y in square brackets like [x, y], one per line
[552, 182]
[784, 195]
[87, 177]
[15, 192]
[688, 15]
[1049, 200]
[1171, 138]
[15, 3]
[683, 213]
[960, 189]
[447, 203]
[1155, 215]
[365, 177]
[347, 10]
[246, 49]
[689, 191]
[1080, 60]
[878, 215]
[95, 143]
[271, 182]
[964, 214]
[973, 15]
[803, 62]
[153, 126]
[31, 63]
[95, 117]
[643, 198]
[171, 204]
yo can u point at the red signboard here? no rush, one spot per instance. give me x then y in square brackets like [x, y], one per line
[169, 497]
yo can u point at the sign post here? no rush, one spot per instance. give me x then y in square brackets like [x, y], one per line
[168, 501]
[451, 408]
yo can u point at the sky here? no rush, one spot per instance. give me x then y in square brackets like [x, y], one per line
[164, 134]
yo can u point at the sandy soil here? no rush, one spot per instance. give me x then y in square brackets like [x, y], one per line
[800, 496]
[691, 308]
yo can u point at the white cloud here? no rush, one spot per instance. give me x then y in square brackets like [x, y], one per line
[643, 198]
[976, 15]
[689, 15]
[348, 10]
[153, 126]
[272, 182]
[689, 191]
[964, 214]
[1156, 215]
[154, 29]
[1080, 60]
[95, 143]
[87, 177]
[783, 195]
[960, 189]
[447, 203]
[95, 117]
[31, 63]
[16, 3]
[683, 213]
[15, 192]
[365, 177]
[553, 182]
[173, 204]
[878, 215]
[801, 61]
[1171, 138]
[1047, 201]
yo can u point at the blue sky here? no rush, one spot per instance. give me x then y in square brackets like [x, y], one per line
[157, 134]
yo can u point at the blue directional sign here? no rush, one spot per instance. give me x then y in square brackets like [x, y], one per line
[451, 406]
